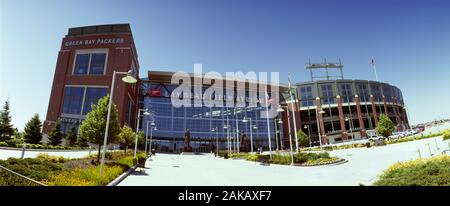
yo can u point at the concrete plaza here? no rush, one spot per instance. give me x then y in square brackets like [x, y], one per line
[363, 167]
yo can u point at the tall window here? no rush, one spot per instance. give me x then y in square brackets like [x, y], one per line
[346, 92]
[363, 91]
[73, 99]
[128, 112]
[93, 63]
[74, 96]
[327, 94]
[376, 91]
[306, 96]
[92, 97]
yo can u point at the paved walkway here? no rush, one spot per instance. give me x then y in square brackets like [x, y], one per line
[363, 167]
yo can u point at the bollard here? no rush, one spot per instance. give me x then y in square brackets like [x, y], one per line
[435, 142]
[23, 150]
[429, 149]
[418, 151]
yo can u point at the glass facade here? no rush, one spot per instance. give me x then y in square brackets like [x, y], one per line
[93, 63]
[172, 122]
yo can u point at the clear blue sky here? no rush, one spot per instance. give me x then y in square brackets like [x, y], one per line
[410, 41]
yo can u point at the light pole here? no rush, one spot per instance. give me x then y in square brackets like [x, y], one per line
[350, 123]
[228, 138]
[280, 109]
[151, 136]
[277, 132]
[216, 129]
[152, 123]
[127, 79]
[318, 123]
[246, 119]
[309, 133]
[137, 128]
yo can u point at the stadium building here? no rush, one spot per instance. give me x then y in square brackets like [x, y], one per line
[332, 108]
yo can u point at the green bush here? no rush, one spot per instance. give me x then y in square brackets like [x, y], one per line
[33, 168]
[51, 158]
[239, 155]
[3, 144]
[85, 177]
[281, 159]
[446, 135]
[434, 171]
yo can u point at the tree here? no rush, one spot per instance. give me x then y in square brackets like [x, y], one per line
[126, 136]
[55, 136]
[72, 136]
[302, 138]
[385, 126]
[82, 141]
[93, 127]
[6, 128]
[32, 130]
[141, 139]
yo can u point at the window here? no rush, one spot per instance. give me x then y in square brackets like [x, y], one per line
[346, 92]
[376, 91]
[128, 112]
[92, 97]
[306, 96]
[363, 91]
[97, 63]
[327, 94]
[73, 98]
[93, 63]
[82, 64]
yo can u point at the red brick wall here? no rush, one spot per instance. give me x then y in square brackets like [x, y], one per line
[120, 57]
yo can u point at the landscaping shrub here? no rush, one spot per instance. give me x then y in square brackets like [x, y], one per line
[252, 157]
[127, 162]
[434, 171]
[446, 135]
[85, 177]
[239, 155]
[51, 158]
[31, 167]
[281, 159]
[3, 144]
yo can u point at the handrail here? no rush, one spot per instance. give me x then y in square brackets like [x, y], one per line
[22, 176]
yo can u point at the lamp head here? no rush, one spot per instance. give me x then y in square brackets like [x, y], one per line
[279, 109]
[130, 79]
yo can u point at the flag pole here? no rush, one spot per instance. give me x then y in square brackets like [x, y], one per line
[372, 62]
[294, 101]
[268, 125]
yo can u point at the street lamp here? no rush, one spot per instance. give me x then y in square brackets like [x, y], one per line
[137, 128]
[228, 137]
[318, 124]
[280, 109]
[350, 123]
[151, 135]
[246, 119]
[130, 79]
[152, 123]
[216, 129]
[309, 133]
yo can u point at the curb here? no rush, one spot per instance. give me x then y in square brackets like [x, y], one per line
[121, 177]
[42, 150]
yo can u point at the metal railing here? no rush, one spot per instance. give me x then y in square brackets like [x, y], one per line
[11, 178]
